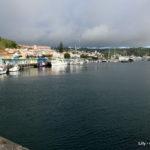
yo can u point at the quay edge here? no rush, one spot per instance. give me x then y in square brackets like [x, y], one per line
[6, 144]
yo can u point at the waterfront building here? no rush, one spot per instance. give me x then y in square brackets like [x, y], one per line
[39, 47]
[5, 54]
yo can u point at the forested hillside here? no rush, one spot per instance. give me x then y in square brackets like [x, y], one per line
[5, 43]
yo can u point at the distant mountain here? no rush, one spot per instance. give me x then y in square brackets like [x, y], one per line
[111, 48]
[100, 48]
[5, 43]
[146, 47]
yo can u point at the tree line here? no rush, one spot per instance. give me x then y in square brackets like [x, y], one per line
[127, 52]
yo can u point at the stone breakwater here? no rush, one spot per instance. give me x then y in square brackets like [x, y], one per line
[9, 145]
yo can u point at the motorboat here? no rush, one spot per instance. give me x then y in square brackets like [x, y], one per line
[124, 59]
[58, 62]
[3, 70]
[14, 68]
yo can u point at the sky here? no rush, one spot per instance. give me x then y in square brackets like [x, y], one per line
[76, 22]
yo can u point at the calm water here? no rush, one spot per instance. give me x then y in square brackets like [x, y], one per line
[91, 107]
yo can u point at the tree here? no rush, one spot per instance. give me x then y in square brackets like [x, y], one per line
[61, 47]
[5, 43]
[83, 56]
[66, 55]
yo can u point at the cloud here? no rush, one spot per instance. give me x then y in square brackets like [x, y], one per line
[98, 33]
[96, 22]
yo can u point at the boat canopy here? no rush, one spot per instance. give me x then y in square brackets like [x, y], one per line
[41, 60]
[1, 61]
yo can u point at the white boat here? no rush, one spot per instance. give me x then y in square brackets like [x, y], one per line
[104, 60]
[76, 62]
[114, 60]
[14, 68]
[134, 58]
[123, 58]
[86, 60]
[58, 62]
[3, 70]
[81, 62]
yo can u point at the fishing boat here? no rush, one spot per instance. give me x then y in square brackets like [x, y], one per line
[14, 68]
[41, 62]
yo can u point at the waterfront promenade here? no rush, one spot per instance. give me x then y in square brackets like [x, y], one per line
[21, 62]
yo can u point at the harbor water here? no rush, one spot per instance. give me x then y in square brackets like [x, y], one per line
[95, 106]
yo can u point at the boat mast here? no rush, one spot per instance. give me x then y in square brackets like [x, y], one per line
[109, 54]
[75, 48]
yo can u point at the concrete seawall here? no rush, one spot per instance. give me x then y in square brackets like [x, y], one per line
[9, 145]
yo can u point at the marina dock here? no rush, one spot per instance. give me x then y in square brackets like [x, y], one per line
[22, 63]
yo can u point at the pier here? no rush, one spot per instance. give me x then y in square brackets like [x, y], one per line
[6, 144]
[22, 63]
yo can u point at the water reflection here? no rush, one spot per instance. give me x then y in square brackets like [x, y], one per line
[3, 76]
[56, 70]
[14, 74]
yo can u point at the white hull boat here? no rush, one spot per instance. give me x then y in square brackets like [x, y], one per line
[3, 70]
[58, 62]
[124, 59]
[14, 69]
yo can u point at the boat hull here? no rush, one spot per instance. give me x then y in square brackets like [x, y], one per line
[14, 69]
[4, 71]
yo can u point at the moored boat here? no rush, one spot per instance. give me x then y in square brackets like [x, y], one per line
[76, 62]
[124, 59]
[14, 68]
[3, 70]
[58, 62]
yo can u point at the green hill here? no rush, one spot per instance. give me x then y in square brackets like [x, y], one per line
[5, 43]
